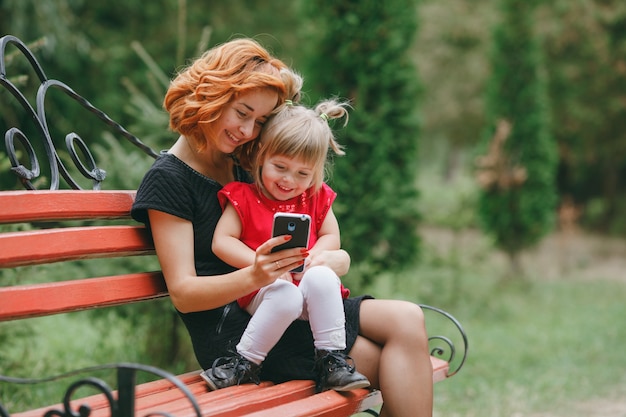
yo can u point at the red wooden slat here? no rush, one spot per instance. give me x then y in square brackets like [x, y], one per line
[21, 301]
[27, 206]
[260, 399]
[325, 404]
[440, 369]
[56, 245]
[235, 401]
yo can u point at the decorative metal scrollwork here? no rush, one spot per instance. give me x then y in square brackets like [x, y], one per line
[57, 169]
[448, 351]
[84, 410]
[123, 406]
[20, 170]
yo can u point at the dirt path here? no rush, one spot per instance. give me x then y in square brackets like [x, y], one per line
[558, 256]
[613, 406]
[581, 254]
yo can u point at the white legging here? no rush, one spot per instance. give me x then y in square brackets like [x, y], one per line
[317, 299]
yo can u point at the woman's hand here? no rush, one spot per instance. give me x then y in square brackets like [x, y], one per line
[270, 266]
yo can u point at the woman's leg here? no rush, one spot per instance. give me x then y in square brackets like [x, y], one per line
[392, 351]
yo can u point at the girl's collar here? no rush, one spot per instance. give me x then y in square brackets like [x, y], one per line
[293, 205]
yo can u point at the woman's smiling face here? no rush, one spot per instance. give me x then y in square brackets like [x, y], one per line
[242, 119]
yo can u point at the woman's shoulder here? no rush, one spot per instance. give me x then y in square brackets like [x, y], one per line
[169, 171]
[173, 187]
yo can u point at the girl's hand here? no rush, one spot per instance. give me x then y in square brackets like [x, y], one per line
[287, 277]
[337, 260]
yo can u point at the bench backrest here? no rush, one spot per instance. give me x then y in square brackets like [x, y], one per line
[43, 227]
[53, 236]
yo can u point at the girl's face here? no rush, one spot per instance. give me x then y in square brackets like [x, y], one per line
[284, 177]
[241, 120]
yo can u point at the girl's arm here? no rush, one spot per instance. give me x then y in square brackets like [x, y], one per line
[226, 240]
[326, 250]
[328, 236]
[174, 244]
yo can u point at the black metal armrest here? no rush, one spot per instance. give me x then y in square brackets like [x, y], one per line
[123, 406]
[447, 351]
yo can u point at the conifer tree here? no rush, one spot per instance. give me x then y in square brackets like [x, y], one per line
[360, 52]
[517, 173]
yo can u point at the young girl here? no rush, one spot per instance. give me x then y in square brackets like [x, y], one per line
[289, 174]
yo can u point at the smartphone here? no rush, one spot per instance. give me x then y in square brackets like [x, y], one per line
[295, 224]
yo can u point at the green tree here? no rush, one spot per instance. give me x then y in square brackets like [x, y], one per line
[360, 51]
[517, 175]
[450, 54]
[586, 46]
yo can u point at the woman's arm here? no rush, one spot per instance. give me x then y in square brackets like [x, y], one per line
[173, 241]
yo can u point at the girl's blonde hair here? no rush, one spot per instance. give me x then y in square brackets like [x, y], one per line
[296, 131]
[200, 92]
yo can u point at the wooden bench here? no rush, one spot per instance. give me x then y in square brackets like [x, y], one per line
[59, 225]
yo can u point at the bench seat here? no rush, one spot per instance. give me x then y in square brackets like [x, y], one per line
[289, 399]
[53, 236]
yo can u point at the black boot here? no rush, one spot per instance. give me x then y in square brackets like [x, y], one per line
[335, 370]
[231, 370]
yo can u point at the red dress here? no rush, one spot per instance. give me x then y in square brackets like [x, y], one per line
[256, 213]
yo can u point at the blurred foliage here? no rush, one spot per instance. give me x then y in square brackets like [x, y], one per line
[583, 41]
[585, 44]
[376, 207]
[450, 53]
[518, 169]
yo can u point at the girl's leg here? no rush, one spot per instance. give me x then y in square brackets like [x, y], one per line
[273, 309]
[404, 373]
[323, 308]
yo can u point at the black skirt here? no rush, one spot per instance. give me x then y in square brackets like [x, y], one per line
[215, 333]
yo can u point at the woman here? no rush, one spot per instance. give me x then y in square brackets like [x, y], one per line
[218, 106]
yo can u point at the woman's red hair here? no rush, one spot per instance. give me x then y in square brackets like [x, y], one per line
[199, 93]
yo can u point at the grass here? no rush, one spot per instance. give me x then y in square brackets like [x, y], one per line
[539, 350]
[53, 345]
[536, 345]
